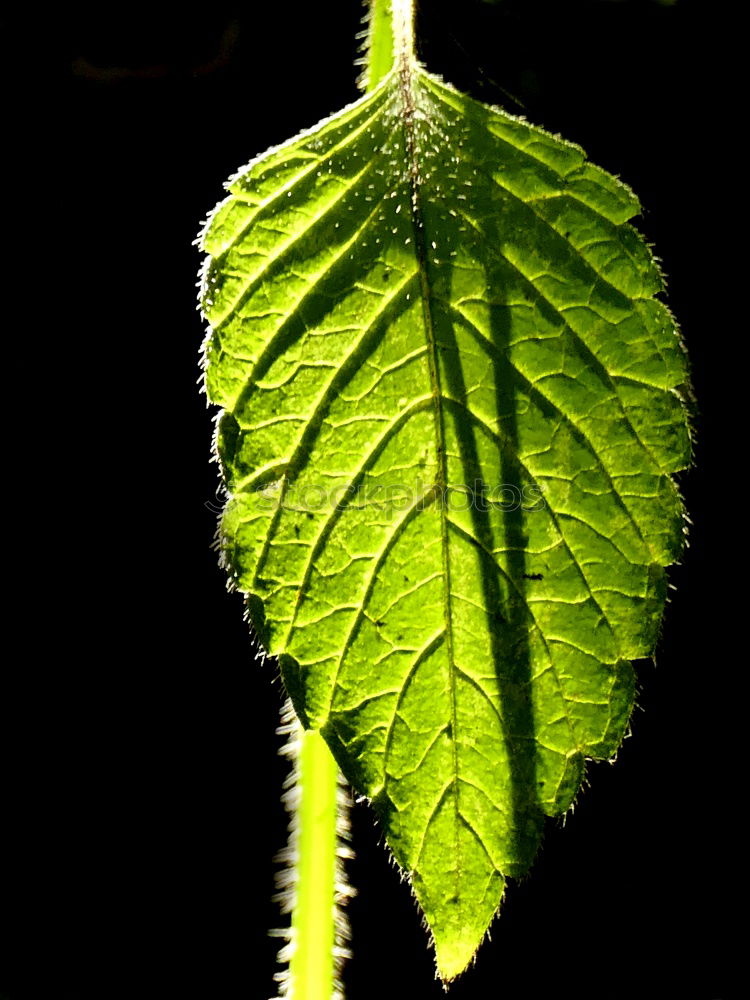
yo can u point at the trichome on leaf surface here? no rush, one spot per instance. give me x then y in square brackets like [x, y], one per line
[451, 407]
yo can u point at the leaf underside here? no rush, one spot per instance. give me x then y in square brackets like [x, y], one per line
[451, 408]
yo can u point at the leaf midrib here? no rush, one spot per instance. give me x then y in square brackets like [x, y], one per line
[405, 71]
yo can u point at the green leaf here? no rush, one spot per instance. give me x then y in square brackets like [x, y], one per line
[451, 405]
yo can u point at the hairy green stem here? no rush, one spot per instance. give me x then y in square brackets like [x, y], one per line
[390, 38]
[314, 850]
[312, 965]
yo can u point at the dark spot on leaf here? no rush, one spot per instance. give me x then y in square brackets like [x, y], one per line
[533, 576]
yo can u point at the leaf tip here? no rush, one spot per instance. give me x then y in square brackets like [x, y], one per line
[453, 956]
[456, 942]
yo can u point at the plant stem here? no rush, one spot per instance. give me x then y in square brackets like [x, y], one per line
[379, 46]
[314, 849]
[312, 965]
[390, 38]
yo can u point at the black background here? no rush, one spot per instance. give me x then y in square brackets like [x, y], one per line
[139, 779]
